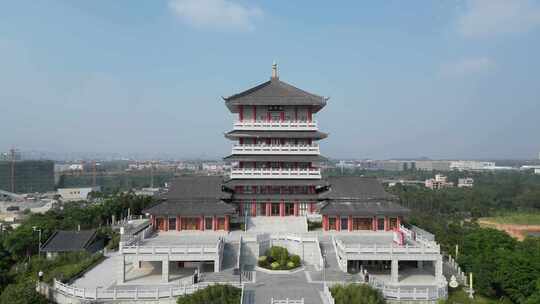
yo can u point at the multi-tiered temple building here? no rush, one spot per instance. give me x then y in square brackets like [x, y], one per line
[276, 172]
[275, 156]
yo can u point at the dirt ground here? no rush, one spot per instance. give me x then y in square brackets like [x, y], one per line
[517, 231]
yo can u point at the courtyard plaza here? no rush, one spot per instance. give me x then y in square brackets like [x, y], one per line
[305, 284]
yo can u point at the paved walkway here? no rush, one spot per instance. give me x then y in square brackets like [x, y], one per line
[273, 224]
[282, 286]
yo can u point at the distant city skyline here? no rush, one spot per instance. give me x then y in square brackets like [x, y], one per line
[445, 80]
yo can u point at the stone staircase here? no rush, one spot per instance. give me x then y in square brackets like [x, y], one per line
[230, 255]
[270, 224]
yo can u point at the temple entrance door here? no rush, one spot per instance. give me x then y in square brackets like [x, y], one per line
[160, 223]
[332, 223]
[380, 224]
[208, 221]
[344, 224]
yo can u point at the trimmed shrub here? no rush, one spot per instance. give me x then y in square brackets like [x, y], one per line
[290, 264]
[354, 293]
[295, 259]
[263, 261]
[214, 294]
[275, 265]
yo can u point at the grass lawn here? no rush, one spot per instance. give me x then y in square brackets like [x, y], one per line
[516, 219]
[461, 297]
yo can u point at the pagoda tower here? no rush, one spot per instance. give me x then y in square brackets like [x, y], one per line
[275, 157]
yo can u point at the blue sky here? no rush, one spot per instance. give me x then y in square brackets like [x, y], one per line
[444, 79]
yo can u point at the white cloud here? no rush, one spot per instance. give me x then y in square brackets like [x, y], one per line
[216, 14]
[491, 17]
[468, 66]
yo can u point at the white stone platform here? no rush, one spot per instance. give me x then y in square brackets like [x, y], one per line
[272, 224]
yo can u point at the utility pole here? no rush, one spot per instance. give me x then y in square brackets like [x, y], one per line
[12, 152]
[93, 173]
[151, 174]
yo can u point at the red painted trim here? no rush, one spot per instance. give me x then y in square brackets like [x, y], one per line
[241, 141]
[254, 208]
[282, 116]
[226, 223]
[201, 223]
[178, 223]
[398, 222]
[350, 223]
[310, 114]
[167, 223]
[296, 208]
[338, 223]
[386, 222]
[311, 207]
[374, 223]
[325, 222]
[282, 208]
[241, 112]
[214, 223]
[268, 116]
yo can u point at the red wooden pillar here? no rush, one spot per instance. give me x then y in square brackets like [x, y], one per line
[310, 114]
[178, 223]
[282, 208]
[338, 223]
[241, 211]
[241, 112]
[253, 208]
[201, 222]
[311, 207]
[325, 222]
[386, 223]
[374, 223]
[254, 113]
[296, 208]
[226, 223]
[398, 220]
[350, 223]
[166, 223]
[214, 223]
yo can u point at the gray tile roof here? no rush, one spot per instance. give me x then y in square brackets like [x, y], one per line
[191, 208]
[316, 135]
[275, 92]
[196, 188]
[64, 241]
[370, 208]
[355, 188]
[275, 158]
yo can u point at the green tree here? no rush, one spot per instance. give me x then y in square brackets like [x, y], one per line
[22, 293]
[215, 294]
[355, 293]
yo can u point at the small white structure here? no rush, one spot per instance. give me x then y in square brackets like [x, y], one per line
[472, 165]
[76, 194]
[467, 182]
[439, 182]
[537, 171]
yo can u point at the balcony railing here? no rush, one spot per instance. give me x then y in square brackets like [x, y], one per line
[312, 149]
[282, 125]
[275, 173]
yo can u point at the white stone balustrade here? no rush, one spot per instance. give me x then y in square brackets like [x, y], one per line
[314, 173]
[312, 149]
[288, 125]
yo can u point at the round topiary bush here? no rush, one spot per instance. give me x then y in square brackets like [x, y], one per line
[290, 264]
[263, 261]
[275, 265]
[295, 259]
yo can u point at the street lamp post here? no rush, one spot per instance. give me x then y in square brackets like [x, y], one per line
[34, 228]
[324, 265]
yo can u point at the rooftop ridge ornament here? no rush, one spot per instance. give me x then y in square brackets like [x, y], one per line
[274, 71]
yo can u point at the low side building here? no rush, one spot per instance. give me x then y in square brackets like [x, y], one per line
[76, 194]
[439, 182]
[193, 203]
[72, 241]
[356, 203]
[467, 182]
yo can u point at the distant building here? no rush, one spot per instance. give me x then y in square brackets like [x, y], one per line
[397, 165]
[471, 165]
[467, 182]
[76, 194]
[30, 176]
[433, 165]
[72, 241]
[439, 182]
[537, 171]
